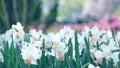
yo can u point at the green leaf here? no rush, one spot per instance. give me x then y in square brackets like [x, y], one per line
[119, 56]
[63, 64]
[27, 37]
[86, 58]
[102, 35]
[97, 45]
[118, 64]
[43, 57]
[77, 55]
[67, 61]
[90, 33]
[113, 33]
[110, 63]
[70, 53]
[104, 63]
[1, 64]
[87, 45]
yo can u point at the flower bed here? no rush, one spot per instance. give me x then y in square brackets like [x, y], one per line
[90, 48]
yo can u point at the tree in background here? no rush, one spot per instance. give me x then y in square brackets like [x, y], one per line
[51, 18]
[28, 12]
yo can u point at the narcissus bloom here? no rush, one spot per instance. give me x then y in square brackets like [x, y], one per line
[30, 54]
[92, 66]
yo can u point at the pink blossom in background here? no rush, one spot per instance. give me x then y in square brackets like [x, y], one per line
[103, 23]
[40, 27]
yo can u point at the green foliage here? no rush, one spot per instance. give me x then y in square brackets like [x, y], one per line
[70, 55]
[104, 63]
[111, 63]
[12, 57]
[77, 54]
[86, 58]
[26, 11]
[113, 33]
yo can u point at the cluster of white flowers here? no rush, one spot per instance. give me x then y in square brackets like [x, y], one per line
[31, 43]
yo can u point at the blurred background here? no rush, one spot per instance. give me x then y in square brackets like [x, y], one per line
[51, 15]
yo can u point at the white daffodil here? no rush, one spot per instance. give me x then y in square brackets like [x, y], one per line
[48, 40]
[35, 35]
[60, 50]
[30, 54]
[66, 33]
[9, 37]
[98, 54]
[114, 56]
[95, 35]
[18, 26]
[18, 30]
[95, 31]
[92, 66]
[38, 43]
[86, 32]
[56, 38]
[16, 34]
[109, 34]
[56, 43]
